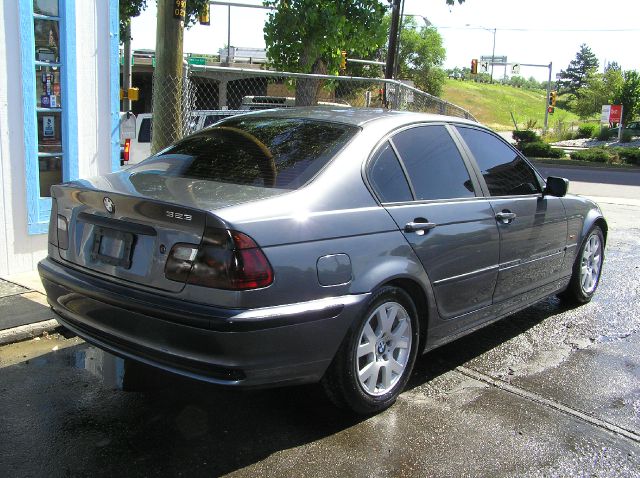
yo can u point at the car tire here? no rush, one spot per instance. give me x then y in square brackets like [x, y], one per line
[587, 269]
[374, 361]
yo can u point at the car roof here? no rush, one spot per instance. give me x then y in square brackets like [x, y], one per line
[355, 116]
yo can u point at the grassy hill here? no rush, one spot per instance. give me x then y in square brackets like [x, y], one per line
[492, 104]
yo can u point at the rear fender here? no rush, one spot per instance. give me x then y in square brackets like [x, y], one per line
[407, 273]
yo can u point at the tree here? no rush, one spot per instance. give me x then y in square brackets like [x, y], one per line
[421, 56]
[133, 8]
[629, 96]
[307, 36]
[578, 71]
[600, 89]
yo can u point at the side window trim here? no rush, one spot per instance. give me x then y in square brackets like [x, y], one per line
[470, 159]
[368, 164]
[402, 166]
[477, 170]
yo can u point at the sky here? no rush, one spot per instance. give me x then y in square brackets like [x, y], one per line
[535, 32]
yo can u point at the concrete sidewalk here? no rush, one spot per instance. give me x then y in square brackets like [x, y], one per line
[24, 312]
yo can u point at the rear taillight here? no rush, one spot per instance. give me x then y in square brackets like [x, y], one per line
[224, 260]
[127, 149]
[63, 232]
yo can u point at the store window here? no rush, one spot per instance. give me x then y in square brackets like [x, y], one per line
[47, 36]
[48, 66]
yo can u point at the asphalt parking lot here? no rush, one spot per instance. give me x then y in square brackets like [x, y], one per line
[550, 391]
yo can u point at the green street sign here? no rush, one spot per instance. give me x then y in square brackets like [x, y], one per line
[197, 60]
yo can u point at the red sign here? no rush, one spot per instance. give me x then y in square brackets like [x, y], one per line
[615, 114]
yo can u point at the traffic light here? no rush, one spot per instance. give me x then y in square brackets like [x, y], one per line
[550, 109]
[474, 66]
[553, 96]
[203, 16]
[343, 60]
[132, 94]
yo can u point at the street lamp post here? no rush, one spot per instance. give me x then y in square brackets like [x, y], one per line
[493, 51]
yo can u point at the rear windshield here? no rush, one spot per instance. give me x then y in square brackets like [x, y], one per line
[282, 153]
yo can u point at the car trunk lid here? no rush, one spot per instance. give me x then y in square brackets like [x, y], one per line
[123, 236]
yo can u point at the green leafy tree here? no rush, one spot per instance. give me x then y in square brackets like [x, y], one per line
[629, 96]
[133, 8]
[307, 36]
[577, 73]
[421, 56]
[600, 89]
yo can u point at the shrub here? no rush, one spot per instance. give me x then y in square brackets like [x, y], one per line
[524, 136]
[596, 155]
[541, 150]
[629, 155]
[603, 135]
[586, 130]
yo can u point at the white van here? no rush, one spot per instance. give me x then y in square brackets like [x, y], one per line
[135, 142]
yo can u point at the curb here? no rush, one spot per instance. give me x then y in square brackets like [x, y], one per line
[25, 332]
[561, 163]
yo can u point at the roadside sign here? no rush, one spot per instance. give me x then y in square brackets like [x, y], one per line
[496, 58]
[611, 114]
[127, 127]
[515, 69]
[615, 114]
[197, 60]
[484, 66]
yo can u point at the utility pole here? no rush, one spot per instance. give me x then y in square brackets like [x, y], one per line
[126, 67]
[167, 78]
[493, 52]
[393, 39]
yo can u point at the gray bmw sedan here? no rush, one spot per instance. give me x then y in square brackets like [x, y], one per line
[305, 245]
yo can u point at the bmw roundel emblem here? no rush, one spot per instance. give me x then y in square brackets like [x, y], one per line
[108, 205]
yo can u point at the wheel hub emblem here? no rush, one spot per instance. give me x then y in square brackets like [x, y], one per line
[108, 205]
[381, 347]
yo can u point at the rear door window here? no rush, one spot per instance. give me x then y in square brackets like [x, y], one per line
[504, 170]
[434, 164]
[281, 153]
[387, 178]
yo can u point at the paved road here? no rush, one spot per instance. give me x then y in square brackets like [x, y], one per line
[551, 391]
[597, 182]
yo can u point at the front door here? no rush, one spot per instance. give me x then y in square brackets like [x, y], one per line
[533, 227]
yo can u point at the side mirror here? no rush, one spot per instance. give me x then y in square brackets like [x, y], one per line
[556, 186]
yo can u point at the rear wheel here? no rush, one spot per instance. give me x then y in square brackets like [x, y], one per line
[586, 269]
[375, 359]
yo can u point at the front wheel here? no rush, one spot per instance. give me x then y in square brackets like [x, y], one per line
[586, 269]
[375, 359]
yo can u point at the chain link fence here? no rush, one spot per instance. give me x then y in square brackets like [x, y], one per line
[206, 94]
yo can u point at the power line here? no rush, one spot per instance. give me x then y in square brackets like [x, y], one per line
[590, 30]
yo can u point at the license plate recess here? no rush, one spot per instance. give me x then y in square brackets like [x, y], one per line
[112, 247]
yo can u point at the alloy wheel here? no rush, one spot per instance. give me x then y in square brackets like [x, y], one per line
[591, 263]
[383, 348]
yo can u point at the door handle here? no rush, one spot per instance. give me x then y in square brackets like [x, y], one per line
[505, 217]
[419, 226]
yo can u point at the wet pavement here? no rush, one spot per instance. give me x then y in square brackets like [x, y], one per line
[550, 391]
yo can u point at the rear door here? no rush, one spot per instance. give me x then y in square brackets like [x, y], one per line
[442, 214]
[533, 227]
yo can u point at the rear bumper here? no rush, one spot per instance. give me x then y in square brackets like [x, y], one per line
[269, 346]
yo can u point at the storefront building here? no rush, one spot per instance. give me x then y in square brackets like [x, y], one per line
[59, 103]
